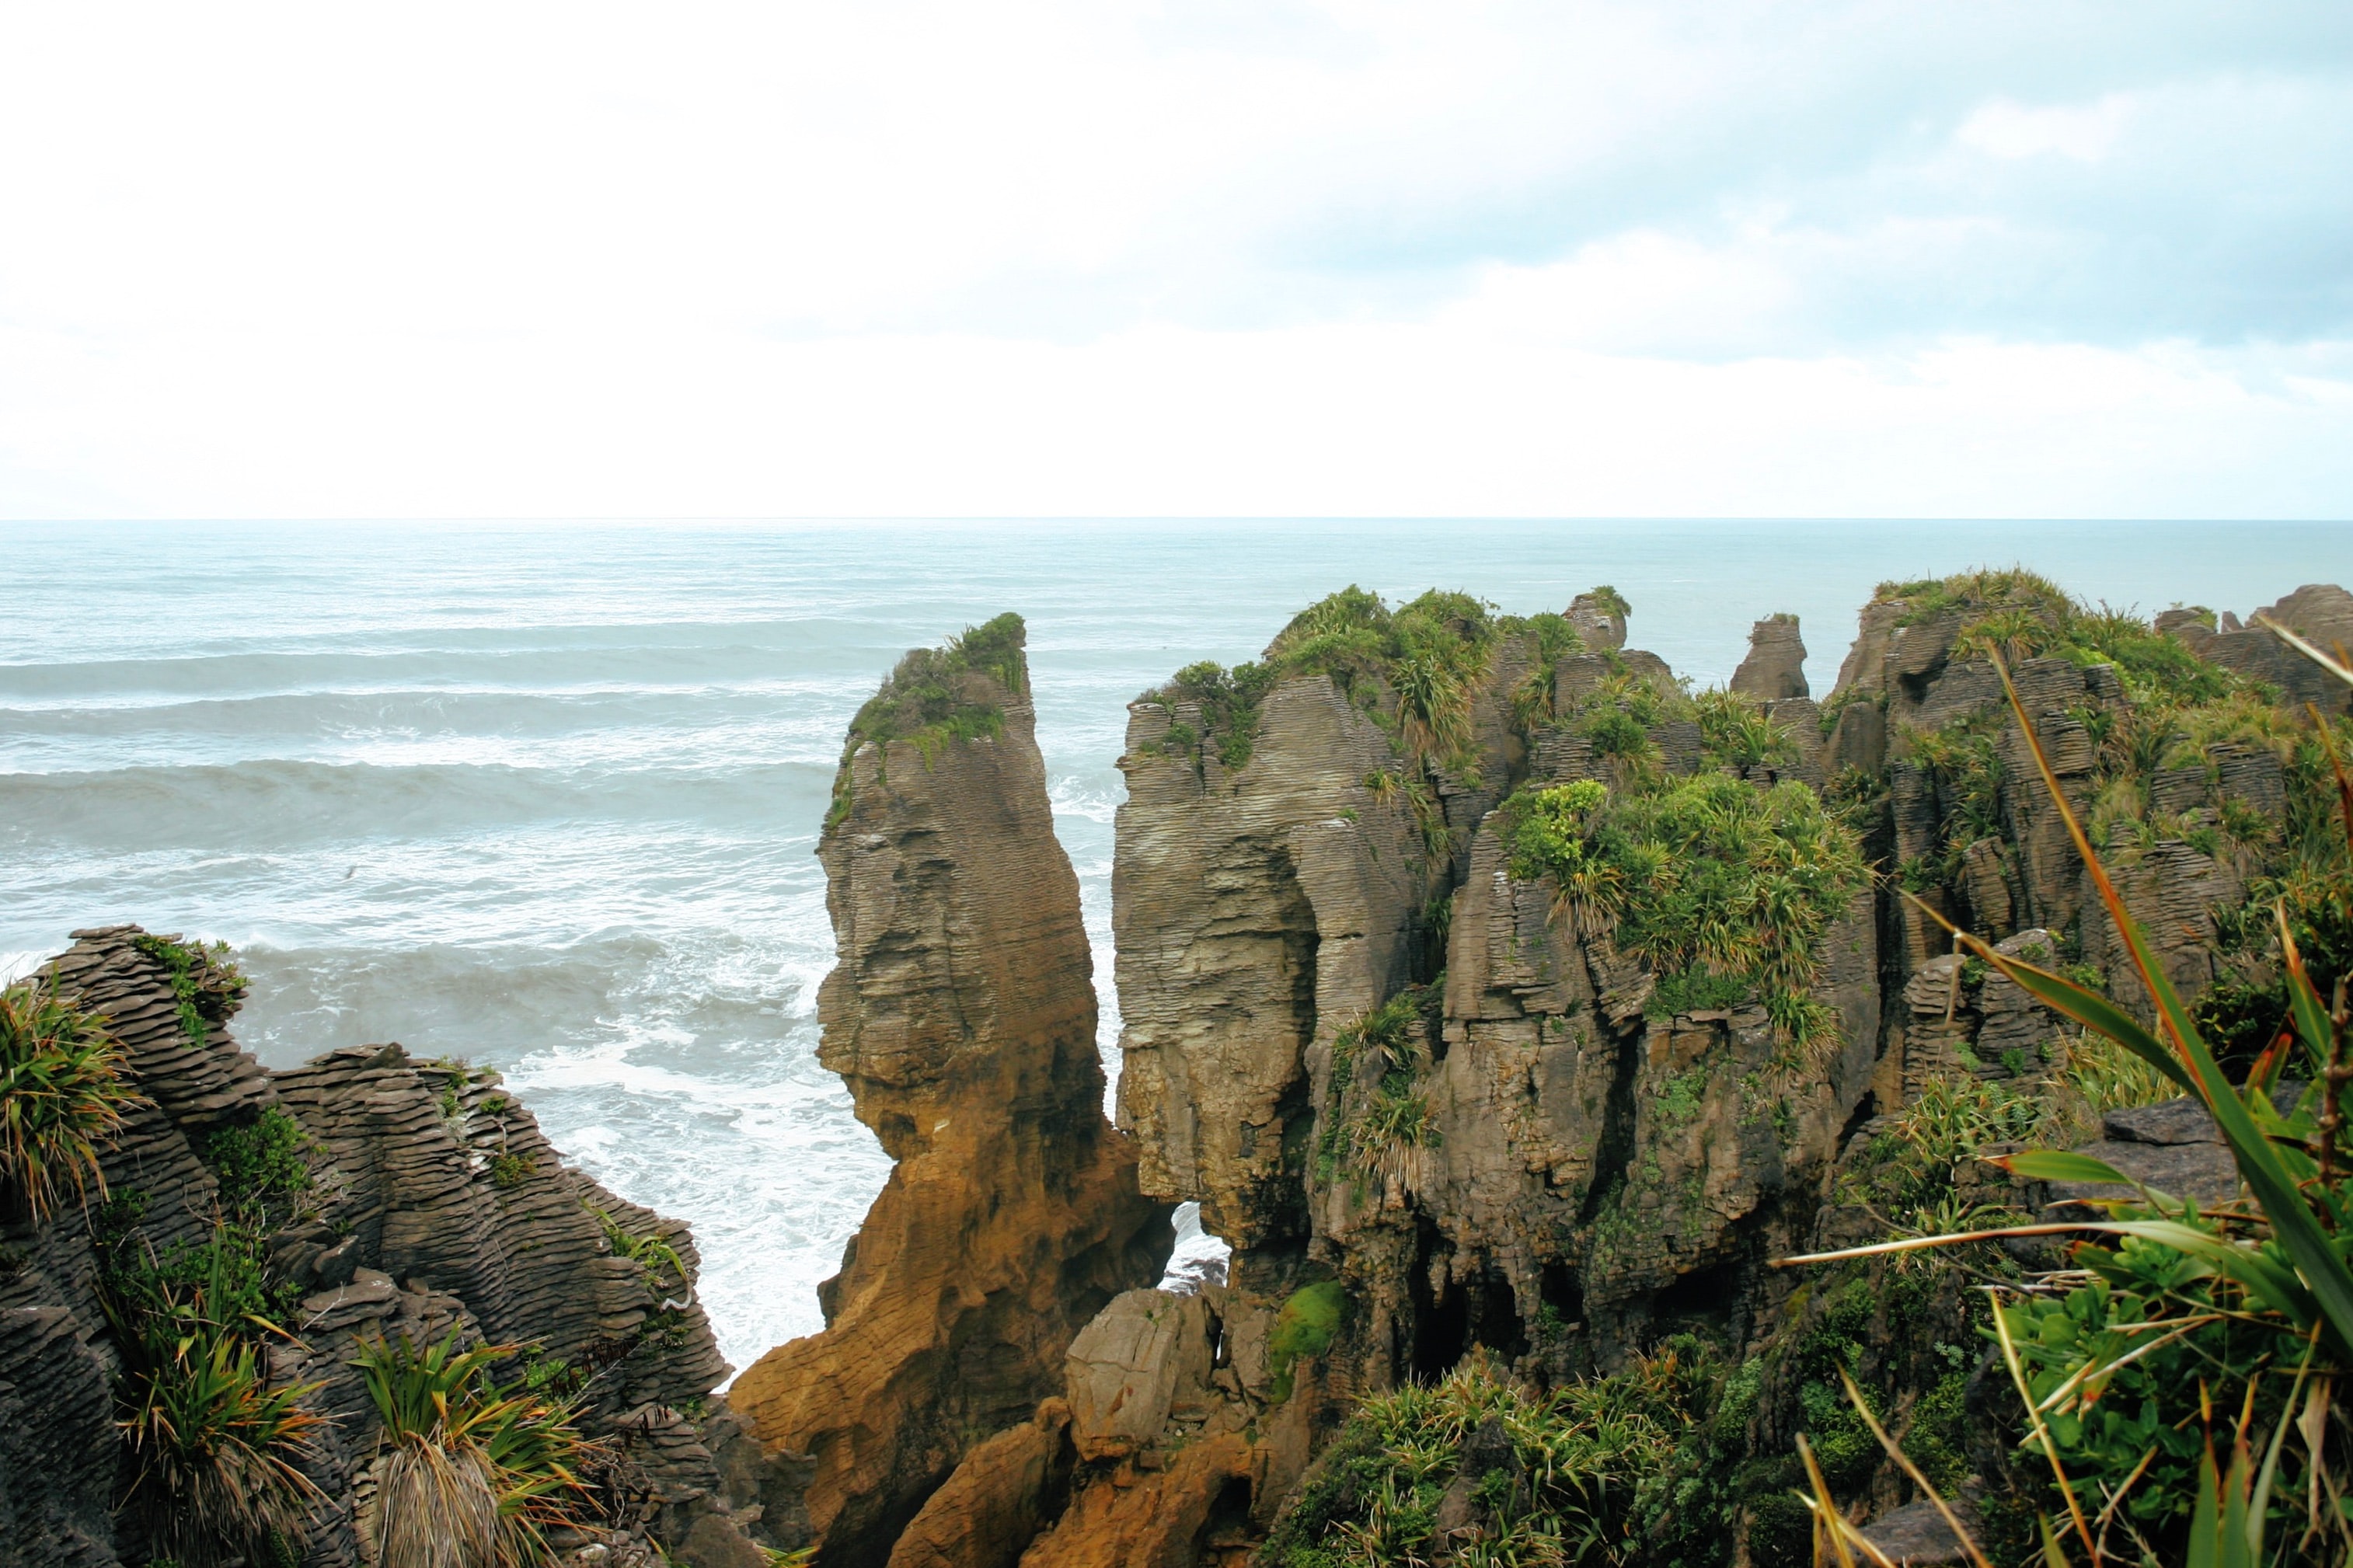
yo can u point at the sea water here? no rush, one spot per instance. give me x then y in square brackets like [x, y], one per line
[544, 796]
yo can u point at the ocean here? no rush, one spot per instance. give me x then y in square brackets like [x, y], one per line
[544, 795]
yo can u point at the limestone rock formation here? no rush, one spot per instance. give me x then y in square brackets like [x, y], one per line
[962, 1016]
[1600, 618]
[1587, 1170]
[1592, 1171]
[433, 1202]
[1775, 666]
[2320, 613]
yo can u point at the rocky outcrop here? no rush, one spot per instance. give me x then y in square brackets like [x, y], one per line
[962, 1016]
[2320, 613]
[1775, 666]
[1590, 1171]
[1252, 908]
[434, 1202]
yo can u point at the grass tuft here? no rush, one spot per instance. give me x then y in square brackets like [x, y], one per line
[63, 1095]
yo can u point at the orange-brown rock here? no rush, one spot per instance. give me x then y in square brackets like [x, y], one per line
[962, 1016]
[1196, 1513]
[1004, 1493]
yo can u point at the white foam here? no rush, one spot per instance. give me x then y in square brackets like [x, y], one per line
[1198, 1255]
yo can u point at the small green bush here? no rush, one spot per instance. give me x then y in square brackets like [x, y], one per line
[1592, 1463]
[1705, 872]
[1383, 1035]
[513, 1168]
[650, 1252]
[1734, 733]
[216, 1455]
[494, 1470]
[263, 1166]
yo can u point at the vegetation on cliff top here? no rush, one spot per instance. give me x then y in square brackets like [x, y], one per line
[927, 701]
[1415, 668]
[2021, 615]
[205, 980]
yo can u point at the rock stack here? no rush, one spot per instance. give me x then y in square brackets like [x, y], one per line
[961, 1013]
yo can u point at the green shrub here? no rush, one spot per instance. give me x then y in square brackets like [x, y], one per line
[1305, 1327]
[2110, 1077]
[1592, 1464]
[63, 1095]
[215, 1454]
[1696, 990]
[1705, 872]
[1734, 733]
[513, 1167]
[263, 1166]
[1381, 1128]
[650, 1252]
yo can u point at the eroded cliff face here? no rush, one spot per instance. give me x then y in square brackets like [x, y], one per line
[432, 1201]
[960, 1013]
[1586, 1168]
[1591, 1168]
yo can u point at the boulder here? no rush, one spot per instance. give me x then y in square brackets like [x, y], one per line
[1127, 1367]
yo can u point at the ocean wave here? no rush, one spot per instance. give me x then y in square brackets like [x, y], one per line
[470, 709]
[1071, 797]
[282, 804]
[724, 656]
[715, 997]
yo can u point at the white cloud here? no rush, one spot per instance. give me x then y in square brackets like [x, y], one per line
[1471, 413]
[1170, 255]
[2081, 132]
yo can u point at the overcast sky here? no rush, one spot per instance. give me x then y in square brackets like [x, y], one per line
[1012, 257]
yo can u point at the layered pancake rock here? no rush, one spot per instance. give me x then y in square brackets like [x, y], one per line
[433, 1203]
[962, 1016]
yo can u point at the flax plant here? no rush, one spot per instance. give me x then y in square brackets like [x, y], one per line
[471, 1476]
[63, 1095]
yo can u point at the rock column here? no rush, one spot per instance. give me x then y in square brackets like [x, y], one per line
[962, 1016]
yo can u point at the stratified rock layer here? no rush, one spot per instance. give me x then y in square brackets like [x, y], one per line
[962, 1016]
[435, 1202]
